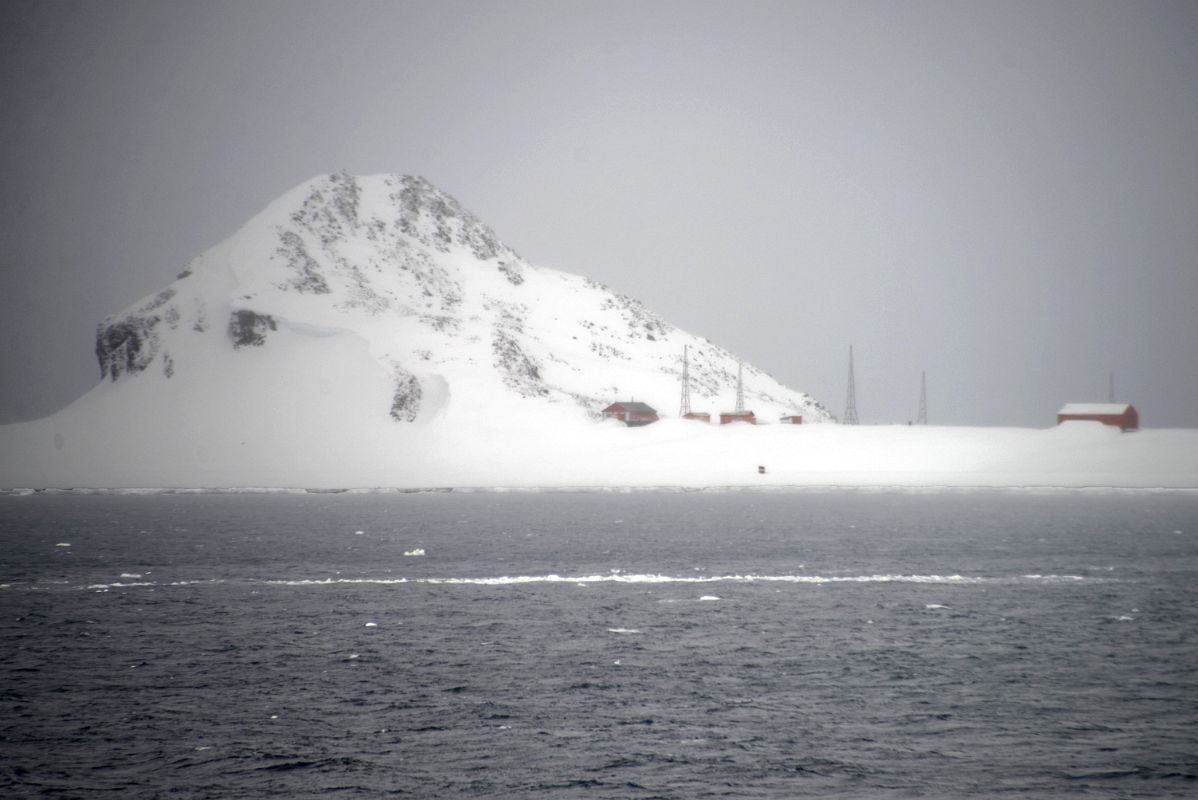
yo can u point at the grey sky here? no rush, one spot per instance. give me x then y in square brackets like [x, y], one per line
[1003, 194]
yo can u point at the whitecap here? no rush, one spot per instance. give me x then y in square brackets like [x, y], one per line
[130, 574]
[419, 551]
[622, 630]
[934, 605]
[1038, 577]
[371, 625]
[63, 544]
[709, 597]
[120, 585]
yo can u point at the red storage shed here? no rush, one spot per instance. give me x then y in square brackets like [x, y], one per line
[1121, 415]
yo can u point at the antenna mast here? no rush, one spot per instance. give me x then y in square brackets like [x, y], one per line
[740, 387]
[686, 385]
[850, 409]
[923, 399]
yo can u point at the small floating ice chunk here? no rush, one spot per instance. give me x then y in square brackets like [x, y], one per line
[372, 624]
[351, 656]
[359, 533]
[709, 597]
[63, 544]
[622, 630]
[419, 551]
[934, 605]
[130, 574]
[1124, 618]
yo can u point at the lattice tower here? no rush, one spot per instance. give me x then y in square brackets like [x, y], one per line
[686, 384]
[740, 387]
[923, 399]
[850, 406]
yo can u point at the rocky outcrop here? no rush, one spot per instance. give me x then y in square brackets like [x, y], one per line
[248, 328]
[436, 220]
[126, 346]
[405, 402]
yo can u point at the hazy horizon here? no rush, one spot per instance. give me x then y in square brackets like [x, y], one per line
[1003, 196]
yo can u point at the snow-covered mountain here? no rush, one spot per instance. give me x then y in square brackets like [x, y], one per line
[367, 331]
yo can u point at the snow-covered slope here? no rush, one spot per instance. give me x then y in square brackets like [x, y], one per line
[366, 331]
[369, 332]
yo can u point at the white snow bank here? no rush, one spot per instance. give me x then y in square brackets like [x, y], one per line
[306, 415]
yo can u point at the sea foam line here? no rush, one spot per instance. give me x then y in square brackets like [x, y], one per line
[618, 578]
[650, 578]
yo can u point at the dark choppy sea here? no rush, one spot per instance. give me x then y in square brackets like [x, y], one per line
[671, 645]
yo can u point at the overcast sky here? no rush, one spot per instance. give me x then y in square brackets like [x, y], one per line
[1001, 194]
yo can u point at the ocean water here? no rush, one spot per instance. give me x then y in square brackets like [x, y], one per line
[603, 645]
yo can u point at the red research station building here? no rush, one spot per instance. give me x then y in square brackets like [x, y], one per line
[631, 413]
[1120, 415]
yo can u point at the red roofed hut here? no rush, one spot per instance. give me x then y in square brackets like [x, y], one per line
[631, 413]
[792, 419]
[1120, 415]
[738, 416]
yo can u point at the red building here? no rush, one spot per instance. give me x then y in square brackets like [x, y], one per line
[738, 416]
[792, 419]
[701, 416]
[1121, 415]
[631, 413]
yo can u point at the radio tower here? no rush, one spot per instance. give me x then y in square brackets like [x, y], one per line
[850, 408]
[740, 387]
[686, 385]
[923, 399]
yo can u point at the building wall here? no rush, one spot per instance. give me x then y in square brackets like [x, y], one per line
[1128, 421]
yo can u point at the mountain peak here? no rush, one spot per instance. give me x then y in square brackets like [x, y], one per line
[427, 317]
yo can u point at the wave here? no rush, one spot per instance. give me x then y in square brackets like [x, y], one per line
[652, 578]
[616, 578]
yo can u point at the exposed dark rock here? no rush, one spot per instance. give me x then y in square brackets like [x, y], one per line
[157, 301]
[126, 346]
[331, 210]
[434, 218]
[308, 278]
[249, 328]
[520, 370]
[405, 403]
[512, 272]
